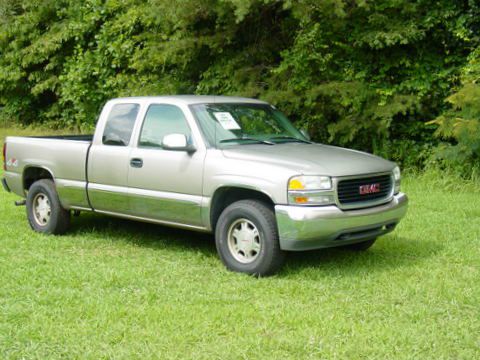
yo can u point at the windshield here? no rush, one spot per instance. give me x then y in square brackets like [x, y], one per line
[242, 123]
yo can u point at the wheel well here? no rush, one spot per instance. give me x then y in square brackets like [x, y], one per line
[226, 196]
[32, 174]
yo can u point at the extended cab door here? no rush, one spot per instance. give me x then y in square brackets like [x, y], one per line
[166, 185]
[109, 156]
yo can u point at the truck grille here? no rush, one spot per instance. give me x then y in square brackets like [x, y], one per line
[364, 190]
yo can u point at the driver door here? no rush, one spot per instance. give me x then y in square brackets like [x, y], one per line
[165, 185]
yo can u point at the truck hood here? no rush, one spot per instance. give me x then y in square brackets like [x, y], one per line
[313, 159]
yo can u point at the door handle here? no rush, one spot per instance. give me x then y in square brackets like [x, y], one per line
[136, 163]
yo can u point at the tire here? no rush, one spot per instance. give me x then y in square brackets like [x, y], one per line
[361, 246]
[246, 238]
[44, 212]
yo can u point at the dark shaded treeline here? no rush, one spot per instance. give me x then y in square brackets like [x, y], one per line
[358, 73]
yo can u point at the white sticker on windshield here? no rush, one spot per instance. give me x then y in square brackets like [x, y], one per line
[226, 120]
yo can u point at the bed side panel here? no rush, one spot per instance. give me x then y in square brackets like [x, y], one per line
[64, 159]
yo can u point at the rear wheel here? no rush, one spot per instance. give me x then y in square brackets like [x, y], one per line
[361, 246]
[44, 211]
[246, 237]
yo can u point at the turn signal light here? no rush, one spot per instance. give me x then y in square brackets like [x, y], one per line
[300, 199]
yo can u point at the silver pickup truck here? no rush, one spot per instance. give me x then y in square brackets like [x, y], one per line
[233, 166]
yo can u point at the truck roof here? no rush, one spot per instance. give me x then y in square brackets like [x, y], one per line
[191, 99]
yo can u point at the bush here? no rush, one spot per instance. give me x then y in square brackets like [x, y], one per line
[461, 122]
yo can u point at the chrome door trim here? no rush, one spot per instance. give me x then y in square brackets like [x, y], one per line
[72, 193]
[80, 208]
[108, 188]
[70, 183]
[155, 221]
[194, 199]
[205, 212]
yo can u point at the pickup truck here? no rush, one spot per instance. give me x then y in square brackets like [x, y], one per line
[235, 167]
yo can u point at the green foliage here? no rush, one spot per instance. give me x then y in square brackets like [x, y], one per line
[361, 73]
[461, 122]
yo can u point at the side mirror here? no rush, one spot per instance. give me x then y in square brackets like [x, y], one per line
[177, 142]
[304, 132]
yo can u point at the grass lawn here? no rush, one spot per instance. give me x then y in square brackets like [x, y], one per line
[124, 290]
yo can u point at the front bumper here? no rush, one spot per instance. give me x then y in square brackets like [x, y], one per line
[307, 228]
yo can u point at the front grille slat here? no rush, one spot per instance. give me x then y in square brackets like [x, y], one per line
[352, 184]
[356, 192]
[348, 190]
[366, 196]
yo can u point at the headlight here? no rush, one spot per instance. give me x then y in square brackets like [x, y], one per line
[396, 177]
[310, 183]
[310, 190]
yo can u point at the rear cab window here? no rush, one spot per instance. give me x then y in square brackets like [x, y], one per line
[119, 126]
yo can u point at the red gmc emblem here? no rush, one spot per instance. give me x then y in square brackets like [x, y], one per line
[369, 189]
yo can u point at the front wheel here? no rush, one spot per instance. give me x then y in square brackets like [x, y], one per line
[44, 211]
[246, 237]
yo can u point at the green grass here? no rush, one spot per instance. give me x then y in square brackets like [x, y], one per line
[124, 290]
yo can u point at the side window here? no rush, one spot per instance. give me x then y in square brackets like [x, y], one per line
[162, 120]
[119, 126]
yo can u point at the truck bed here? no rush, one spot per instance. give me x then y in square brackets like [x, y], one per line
[65, 157]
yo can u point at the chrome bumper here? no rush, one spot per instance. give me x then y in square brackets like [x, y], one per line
[307, 228]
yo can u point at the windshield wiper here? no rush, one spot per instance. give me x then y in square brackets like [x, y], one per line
[291, 138]
[247, 139]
